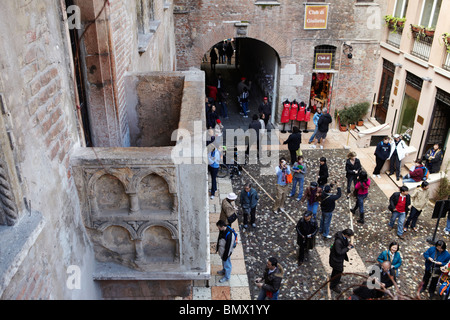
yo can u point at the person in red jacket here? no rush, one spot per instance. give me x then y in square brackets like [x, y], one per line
[415, 173]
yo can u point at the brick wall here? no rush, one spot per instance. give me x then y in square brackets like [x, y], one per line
[201, 24]
[122, 33]
[37, 85]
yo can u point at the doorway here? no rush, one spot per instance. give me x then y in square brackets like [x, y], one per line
[387, 79]
[408, 110]
[439, 130]
[321, 91]
[254, 62]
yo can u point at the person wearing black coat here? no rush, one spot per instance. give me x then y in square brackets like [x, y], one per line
[338, 253]
[322, 128]
[306, 232]
[323, 172]
[382, 152]
[352, 170]
[213, 57]
[255, 125]
[211, 117]
[294, 140]
[327, 206]
[433, 159]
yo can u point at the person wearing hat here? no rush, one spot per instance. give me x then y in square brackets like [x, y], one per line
[398, 152]
[266, 110]
[312, 196]
[306, 235]
[228, 210]
[327, 206]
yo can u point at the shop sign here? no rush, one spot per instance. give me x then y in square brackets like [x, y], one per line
[316, 16]
[323, 61]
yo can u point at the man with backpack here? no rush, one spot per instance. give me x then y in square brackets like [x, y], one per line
[226, 243]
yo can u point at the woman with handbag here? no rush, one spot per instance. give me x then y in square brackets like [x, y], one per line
[306, 235]
[435, 257]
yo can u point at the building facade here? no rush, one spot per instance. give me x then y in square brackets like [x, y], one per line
[413, 77]
[307, 49]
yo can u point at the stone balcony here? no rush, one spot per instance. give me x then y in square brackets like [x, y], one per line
[145, 212]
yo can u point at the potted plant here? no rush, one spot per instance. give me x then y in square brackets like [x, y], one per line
[351, 114]
[418, 31]
[446, 38]
[361, 110]
[400, 23]
[342, 117]
[389, 19]
[416, 28]
[429, 32]
[393, 23]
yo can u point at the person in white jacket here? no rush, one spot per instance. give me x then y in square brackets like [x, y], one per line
[398, 153]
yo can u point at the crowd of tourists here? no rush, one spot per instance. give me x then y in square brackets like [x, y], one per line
[320, 197]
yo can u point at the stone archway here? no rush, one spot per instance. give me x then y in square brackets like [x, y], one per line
[190, 56]
[253, 59]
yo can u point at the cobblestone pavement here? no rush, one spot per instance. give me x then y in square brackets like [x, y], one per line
[275, 234]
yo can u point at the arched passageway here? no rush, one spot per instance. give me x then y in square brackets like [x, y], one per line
[251, 59]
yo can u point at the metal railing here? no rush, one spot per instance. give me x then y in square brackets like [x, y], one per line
[446, 64]
[422, 47]
[394, 39]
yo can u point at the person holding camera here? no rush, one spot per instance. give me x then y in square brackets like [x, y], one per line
[282, 170]
[435, 257]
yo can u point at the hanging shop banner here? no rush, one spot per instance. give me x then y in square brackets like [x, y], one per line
[316, 16]
[323, 61]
